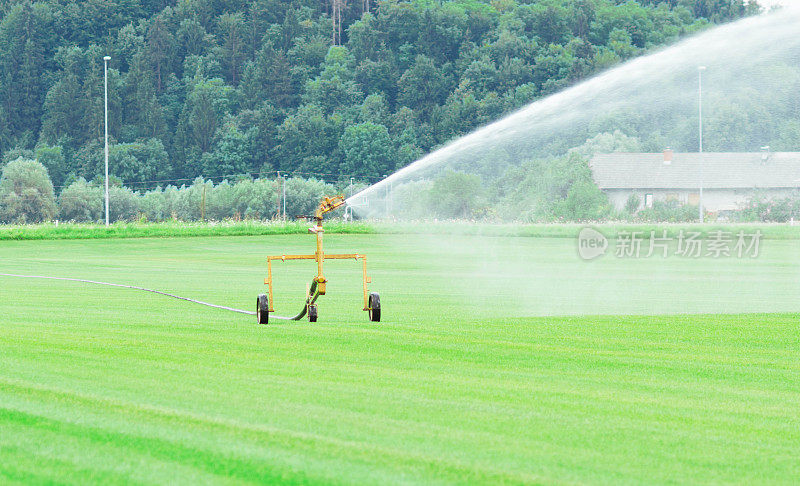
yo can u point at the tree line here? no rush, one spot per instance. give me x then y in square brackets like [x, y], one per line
[330, 89]
[27, 196]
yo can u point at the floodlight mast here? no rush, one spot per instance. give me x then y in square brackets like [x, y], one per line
[105, 77]
[282, 176]
[700, 70]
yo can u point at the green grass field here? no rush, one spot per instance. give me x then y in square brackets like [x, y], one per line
[494, 370]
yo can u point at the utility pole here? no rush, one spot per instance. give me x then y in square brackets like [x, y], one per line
[391, 195]
[284, 196]
[203, 204]
[386, 201]
[700, 70]
[105, 77]
[278, 194]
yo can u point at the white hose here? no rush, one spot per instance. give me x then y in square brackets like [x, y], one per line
[134, 287]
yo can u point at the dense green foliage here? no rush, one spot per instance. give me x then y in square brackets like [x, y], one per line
[458, 384]
[209, 88]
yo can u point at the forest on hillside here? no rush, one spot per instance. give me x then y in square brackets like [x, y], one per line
[329, 89]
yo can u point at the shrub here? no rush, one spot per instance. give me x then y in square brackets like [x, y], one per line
[123, 204]
[668, 211]
[153, 206]
[457, 195]
[633, 203]
[780, 210]
[26, 193]
[256, 199]
[409, 200]
[584, 202]
[81, 202]
[303, 195]
[220, 202]
[187, 201]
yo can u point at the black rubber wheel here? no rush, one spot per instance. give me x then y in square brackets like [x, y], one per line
[312, 313]
[262, 309]
[374, 307]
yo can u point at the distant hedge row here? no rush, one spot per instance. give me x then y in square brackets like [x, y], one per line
[27, 196]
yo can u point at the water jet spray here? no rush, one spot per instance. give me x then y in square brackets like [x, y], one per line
[652, 97]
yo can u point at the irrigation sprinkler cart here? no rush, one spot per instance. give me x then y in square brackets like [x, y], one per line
[264, 302]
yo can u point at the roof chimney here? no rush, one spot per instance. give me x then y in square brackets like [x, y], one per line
[765, 153]
[667, 156]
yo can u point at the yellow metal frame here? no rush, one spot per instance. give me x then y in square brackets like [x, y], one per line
[327, 204]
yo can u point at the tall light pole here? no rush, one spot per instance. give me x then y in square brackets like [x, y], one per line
[700, 70]
[105, 76]
[283, 178]
[386, 200]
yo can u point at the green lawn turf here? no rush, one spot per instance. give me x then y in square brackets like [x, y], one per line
[472, 378]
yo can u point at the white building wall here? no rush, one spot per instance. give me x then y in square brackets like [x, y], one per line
[714, 200]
